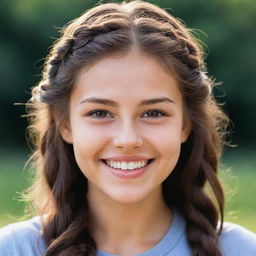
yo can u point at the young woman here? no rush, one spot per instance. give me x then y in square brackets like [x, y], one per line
[127, 135]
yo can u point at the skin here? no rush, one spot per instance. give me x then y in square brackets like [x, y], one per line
[128, 210]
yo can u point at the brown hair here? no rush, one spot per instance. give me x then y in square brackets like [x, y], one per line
[59, 188]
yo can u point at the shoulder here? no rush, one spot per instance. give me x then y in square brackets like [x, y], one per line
[22, 238]
[236, 240]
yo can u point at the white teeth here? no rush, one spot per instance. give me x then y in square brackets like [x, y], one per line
[126, 165]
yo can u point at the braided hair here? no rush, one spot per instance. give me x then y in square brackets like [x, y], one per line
[59, 186]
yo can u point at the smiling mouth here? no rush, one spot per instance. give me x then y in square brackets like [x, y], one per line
[127, 166]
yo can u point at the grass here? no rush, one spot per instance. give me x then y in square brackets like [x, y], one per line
[238, 177]
[237, 174]
[13, 180]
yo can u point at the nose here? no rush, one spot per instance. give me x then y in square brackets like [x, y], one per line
[127, 137]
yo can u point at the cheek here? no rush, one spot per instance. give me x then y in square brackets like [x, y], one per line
[166, 137]
[88, 141]
[167, 143]
[86, 134]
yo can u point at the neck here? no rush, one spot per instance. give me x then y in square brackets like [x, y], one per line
[138, 225]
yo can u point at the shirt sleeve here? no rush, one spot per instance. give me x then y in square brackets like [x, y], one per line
[22, 239]
[236, 240]
[6, 242]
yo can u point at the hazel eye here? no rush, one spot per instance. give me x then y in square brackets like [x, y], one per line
[99, 114]
[154, 113]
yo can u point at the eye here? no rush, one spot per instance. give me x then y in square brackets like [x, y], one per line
[99, 114]
[151, 114]
[154, 114]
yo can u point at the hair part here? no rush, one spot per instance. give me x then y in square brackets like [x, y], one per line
[105, 30]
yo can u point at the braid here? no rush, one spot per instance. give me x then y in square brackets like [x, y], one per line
[197, 208]
[67, 228]
[199, 157]
[201, 217]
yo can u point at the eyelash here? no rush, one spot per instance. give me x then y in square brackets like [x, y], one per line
[90, 114]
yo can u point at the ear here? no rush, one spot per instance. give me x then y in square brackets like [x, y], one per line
[186, 129]
[66, 132]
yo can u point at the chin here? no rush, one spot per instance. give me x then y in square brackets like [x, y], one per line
[130, 196]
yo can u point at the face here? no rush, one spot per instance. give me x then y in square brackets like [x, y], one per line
[126, 125]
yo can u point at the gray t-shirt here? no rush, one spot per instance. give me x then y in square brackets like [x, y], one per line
[25, 239]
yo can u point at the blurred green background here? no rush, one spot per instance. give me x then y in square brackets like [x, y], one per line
[227, 27]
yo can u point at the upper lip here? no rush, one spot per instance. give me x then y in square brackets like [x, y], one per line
[128, 158]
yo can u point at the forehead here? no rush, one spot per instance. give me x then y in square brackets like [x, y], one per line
[133, 75]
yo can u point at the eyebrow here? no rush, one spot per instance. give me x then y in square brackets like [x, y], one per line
[112, 103]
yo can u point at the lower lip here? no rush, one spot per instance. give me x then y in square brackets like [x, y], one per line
[128, 173]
